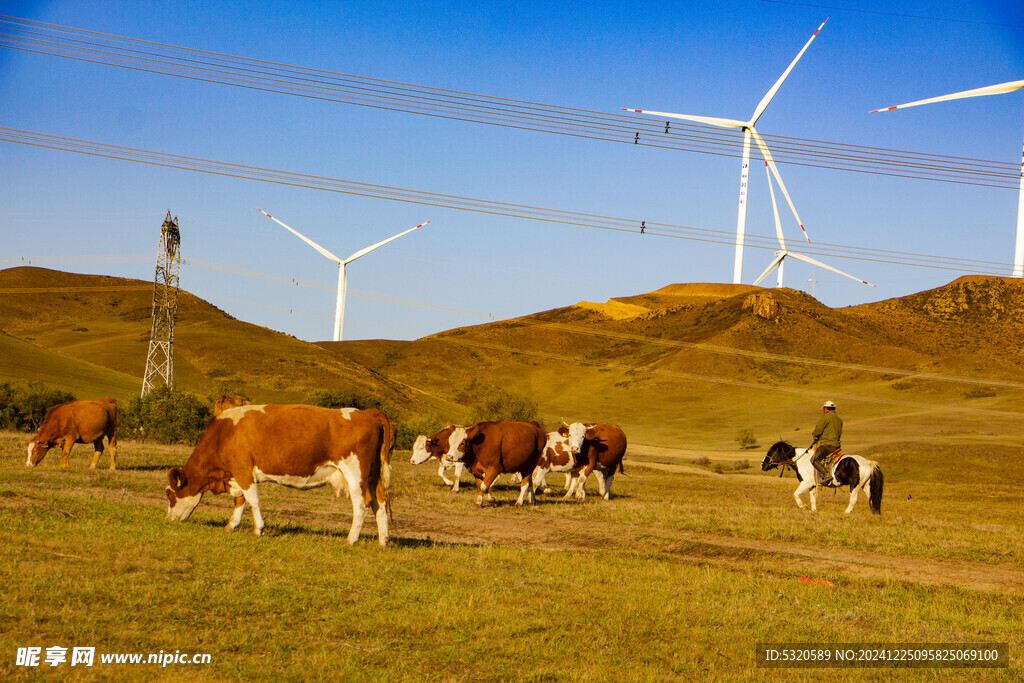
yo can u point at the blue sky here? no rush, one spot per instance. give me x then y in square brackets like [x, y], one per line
[93, 215]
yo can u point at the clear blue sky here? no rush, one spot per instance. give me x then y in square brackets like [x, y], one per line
[92, 215]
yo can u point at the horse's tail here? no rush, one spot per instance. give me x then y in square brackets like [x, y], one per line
[877, 482]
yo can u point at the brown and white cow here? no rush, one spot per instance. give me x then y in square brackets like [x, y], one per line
[295, 445]
[77, 422]
[491, 448]
[557, 457]
[599, 447]
[225, 402]
[436, 446]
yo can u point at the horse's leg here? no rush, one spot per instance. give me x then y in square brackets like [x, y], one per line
[803, 488]
[853, 499]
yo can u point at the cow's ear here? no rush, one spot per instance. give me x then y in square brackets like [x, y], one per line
[176, 478]
[563, 430]
[477, 438]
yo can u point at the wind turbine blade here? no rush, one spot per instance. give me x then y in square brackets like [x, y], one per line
[778, 177]
[775, 264]
[714, 121]
[775, 208]
[808, 259]
[977, 92]
[303, 238]
[367, 250]
[766, 100]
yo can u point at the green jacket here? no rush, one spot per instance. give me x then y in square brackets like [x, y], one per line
[829, 429]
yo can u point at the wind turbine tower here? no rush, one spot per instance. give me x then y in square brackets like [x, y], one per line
[339, 315]
[160, 360]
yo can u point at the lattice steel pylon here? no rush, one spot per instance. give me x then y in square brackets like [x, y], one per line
[160, 361]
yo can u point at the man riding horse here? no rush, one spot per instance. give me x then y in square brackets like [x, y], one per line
[827, 434]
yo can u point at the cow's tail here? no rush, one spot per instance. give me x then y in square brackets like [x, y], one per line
[112, 413]
[387, 445]
[877, 482]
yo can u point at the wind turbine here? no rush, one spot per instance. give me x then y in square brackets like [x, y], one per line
[784, 253]
[339, 315]
[1018, 251]
[748, 131]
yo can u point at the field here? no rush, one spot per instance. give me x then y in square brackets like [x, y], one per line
[679, 576]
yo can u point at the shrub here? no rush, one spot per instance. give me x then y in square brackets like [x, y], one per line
[165, 416]
[339, 398]
[406, 432]
[499, 404]
[24, 406]
[746, 439]
[741, 465]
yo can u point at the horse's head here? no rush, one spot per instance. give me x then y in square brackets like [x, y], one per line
[779, 452]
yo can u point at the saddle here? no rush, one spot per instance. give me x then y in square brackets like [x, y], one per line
[828, 462]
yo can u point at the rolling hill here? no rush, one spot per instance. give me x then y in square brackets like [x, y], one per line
[688, 364]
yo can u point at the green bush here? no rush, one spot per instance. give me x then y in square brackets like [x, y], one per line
[23, 406]
[746, 439]
[165, 416]
[499, 404]
[406, 432]
[339, 398]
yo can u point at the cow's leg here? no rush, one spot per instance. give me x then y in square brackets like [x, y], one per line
[568, 479]
[359, 492]
[97, 451]
[570, 484]
[236, 516]
[458, 476]
[113, 454]
[526, 490]
[252, 497]
[66, 447]
[539, 478]
[440, 472]
[484, 486]
[604, 482]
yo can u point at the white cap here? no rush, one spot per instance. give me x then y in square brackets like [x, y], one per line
[829, 404]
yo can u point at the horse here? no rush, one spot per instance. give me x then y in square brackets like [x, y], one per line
[851, 470]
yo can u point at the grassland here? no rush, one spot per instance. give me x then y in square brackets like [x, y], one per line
[679, 576]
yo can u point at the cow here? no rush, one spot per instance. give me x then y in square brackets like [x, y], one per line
[491, 448]
[557, 457]
[225, 402]
[436, 446]
[599, 447]
[77, 422]
[298, 446]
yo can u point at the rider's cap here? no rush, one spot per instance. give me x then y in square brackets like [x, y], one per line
[829, 404]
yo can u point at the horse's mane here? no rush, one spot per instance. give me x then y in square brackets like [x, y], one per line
[783, 447]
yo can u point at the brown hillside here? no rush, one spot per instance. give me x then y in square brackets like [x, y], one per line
[104, 322]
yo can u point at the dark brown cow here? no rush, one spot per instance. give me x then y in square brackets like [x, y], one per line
[600, 446]
[77, 422]
[225, 402]
[491, 448]
[295, 445]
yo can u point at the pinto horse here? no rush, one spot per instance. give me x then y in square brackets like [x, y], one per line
[851, 470]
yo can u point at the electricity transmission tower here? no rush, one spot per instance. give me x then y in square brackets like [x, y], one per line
[160, 361]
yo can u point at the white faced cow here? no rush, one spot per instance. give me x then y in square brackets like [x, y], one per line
[77, 422]
[491, 448]
[557, 457]
[598, 448]
[436, 446]
[295, 445]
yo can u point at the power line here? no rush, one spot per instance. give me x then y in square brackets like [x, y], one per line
[577, 219]
[893, 14]
[219, 68]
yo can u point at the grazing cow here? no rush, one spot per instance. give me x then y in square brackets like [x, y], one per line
[599, 447]
[295, 445]
[491, 448]
[557, 457]
[77, 422]
[436, 446]
[225, 402]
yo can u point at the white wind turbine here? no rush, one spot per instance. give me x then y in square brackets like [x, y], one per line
[748, 131]
[1018, 251]
[783, 253]
[339, 315]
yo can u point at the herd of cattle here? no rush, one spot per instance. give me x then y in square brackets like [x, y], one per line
[305, 447]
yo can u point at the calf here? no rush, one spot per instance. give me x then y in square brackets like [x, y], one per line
[77, 422]
[491, 448]
[295, 445]
[557, 457]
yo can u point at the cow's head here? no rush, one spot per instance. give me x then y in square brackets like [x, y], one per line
[420, 454]
[456, 446]
[576, 432]
[37, 450]
[182, 495]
